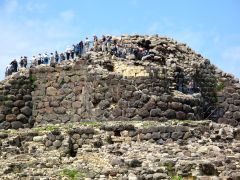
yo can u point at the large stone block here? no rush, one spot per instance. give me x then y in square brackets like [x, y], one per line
[236, 115]
[51, 91]
[19, 103]
[170, 114]
[156, 112]
[176, 106]
[11, 117]
[180, 115]
[26, 110]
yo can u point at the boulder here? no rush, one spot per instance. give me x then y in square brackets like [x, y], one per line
[26, 111]
[156, 112]
[236, 115]
[59, 110]
[22, 118]
[143, 112]
[77, 104]
[2, 117]
[176, 106]
[170, 114]
[180, 115]
[15, 110]
[104, 104]
[5, 125]
[16, 124]
[11, 117]
[130, 112]
[27, 97]
[208, 169]
[19, 103]
[51, 91]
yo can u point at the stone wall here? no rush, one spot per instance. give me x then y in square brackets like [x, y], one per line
[16, 103]
[229, 102]
[85, 90]
[122, 150]
[103, 87]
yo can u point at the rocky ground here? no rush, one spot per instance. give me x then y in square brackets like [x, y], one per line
[122, 150]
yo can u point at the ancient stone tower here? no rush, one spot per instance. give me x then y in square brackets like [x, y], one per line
[101, 87]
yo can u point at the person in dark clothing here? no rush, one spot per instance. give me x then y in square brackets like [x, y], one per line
[14, 65]
[81, 47]
[21, 62]
[25, 62]
[56, 57]
[39, 59]
[72, 51]
[62, 57]
[77, 50]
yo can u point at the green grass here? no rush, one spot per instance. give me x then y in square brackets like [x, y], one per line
[176, 178]
[220, 86]
[91, 123]
[32, 80]
[73, 174]
[46, 128]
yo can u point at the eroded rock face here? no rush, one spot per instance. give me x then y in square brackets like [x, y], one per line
[140, 150]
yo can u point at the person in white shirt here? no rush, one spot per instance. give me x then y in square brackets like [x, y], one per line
[8, 70]
[87, 44]
[33, 61]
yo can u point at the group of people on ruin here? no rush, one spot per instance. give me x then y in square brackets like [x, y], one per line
[106, 44]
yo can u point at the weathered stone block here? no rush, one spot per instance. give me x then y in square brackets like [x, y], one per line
[170, 114]
[180, 115]
[26, 110]
[16, 124]
[176, 106]
[156, 112]
[236, 115]
[11, 117]
[19, 103]
[51, 91]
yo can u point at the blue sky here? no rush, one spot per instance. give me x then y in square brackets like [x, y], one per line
[211, 27]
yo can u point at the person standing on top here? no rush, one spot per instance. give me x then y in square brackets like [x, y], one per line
[68, 52]
[52, 60]
[81, 47]
[77, 50]
[95, 43]
[14, 65]
[72, 52]
[39, 59]
[62, 57]
[8, 70]
[87, 44]
[33, 61]
[21, 62]
[56, 57]
[109, 41]
[45, 58]
[25, 61]
[104, 42]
